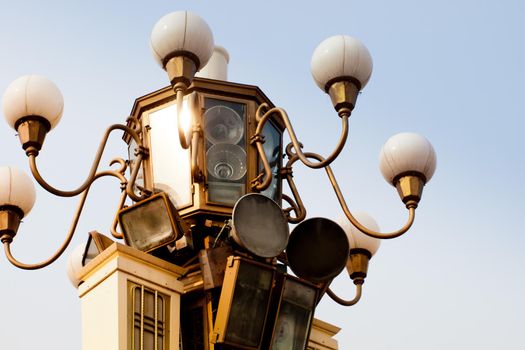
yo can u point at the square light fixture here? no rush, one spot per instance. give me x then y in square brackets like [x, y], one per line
[151, 223]
[261, 308]
[244, 304]
[295, 315]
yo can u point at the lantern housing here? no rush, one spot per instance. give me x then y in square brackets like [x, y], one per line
[221, 165]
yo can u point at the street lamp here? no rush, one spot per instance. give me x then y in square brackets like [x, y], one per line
[207, 171]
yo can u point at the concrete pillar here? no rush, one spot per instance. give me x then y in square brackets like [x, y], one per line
[129, 298]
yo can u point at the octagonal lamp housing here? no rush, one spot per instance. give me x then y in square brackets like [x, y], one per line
[226, 160]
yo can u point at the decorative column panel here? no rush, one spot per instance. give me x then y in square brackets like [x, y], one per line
[130, 301]
[321, 336]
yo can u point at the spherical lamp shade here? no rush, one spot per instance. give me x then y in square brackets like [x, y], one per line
[33, 95]
[356, 238]
[407, 153]
[339, 57]
[182, 31]
[74, 264]
[16, 189]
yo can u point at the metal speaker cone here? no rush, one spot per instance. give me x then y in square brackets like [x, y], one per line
[259, 225]
[317, 250]
[226, 161]
[223, 125]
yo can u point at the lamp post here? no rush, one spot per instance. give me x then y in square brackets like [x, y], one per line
[208, 172]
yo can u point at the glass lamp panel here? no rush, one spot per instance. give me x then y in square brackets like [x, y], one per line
[295, 316]
[272, 148]
[148, 225]
[225, 144]
[249, 306]
[171, 163]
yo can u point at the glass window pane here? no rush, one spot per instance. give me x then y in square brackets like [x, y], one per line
[249, 305]
[225, 135]
[272, 149]
[170, 162]
[295, 314]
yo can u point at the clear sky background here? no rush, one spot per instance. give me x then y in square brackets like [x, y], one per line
[451, 70]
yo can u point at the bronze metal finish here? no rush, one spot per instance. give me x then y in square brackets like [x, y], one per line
[32, 152]
[343, 94]
[201, 207]
[58, 253]
[357, 267]
[283, 116]
[32, 132]
[181, 69]
[410, 189]
[113, 229]
[10, 218]
[117, 173]
[357, 264]
[183, 138]
[294, 157]
[358, 293]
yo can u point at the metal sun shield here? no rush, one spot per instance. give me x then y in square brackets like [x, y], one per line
[317, 250]
[259, 225]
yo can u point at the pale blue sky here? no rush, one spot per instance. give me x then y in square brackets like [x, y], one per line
[451, 70]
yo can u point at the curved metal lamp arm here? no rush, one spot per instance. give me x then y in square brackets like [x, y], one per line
[299, 213]
[92, 173]
[7, 243]
[58, 253]
[297, 206]
[193, 139]
[195, 169]
[114, 225]
[358, 291]
[256, 183]
[131, 184]
[184, 142]
[261, 121]
[342, 202]
[357, 224]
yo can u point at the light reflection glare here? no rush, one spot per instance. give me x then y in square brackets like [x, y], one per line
[185, 118]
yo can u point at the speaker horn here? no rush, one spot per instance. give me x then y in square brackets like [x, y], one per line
[259, 225]
[317, 250]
